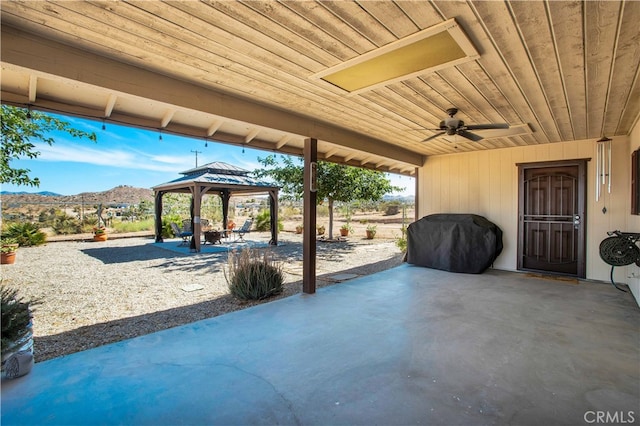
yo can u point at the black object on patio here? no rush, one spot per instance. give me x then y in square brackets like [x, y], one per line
[454, 242]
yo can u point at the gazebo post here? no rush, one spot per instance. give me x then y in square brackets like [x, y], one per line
[158, 212]
[197, 202]
[273, 205]
[225, 195]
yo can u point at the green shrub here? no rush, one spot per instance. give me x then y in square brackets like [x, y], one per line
[391, 208]
[65, 224]
[263, 222]
[253, 276]
[26, 234]
[401, 242]
[167, 232]
[141, 225]
[15, 320]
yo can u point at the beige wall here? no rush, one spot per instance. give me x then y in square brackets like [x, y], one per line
[486, 183]
[633, 224]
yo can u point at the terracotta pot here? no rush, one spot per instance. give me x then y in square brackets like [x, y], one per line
[370, 235]
[100, 237]
[8, 258]
[299, 229]
[344, 232]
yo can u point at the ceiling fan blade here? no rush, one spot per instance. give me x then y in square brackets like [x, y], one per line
[470, 135]
[487, 126]
[433, 137]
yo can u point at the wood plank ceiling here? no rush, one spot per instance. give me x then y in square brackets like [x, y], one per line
[553, 70]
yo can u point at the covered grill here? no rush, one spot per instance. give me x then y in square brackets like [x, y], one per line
[454, 242]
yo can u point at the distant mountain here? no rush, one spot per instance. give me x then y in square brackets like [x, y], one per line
[399, 198]
[122, 194]
[43, 193]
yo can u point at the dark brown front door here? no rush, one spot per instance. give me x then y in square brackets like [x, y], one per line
[552, 217]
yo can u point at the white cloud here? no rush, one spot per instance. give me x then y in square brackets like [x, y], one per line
[112, 158]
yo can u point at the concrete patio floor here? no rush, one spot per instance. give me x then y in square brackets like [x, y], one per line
[409, 345]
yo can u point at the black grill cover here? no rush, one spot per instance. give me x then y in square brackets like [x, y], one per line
[454, 242]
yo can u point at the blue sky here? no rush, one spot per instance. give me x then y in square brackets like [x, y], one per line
[130, 156]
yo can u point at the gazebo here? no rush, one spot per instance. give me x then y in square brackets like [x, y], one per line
[215, 178]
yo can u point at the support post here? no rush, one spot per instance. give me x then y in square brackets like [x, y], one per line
[273, 204]
[309, 211]
[416, 198]
[158, 212]
[225, 196]
[195, 218]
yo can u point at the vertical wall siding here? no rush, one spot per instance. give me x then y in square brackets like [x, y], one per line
[632, 272]
[486, 183]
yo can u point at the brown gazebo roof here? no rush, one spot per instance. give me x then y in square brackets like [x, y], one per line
[218, 176]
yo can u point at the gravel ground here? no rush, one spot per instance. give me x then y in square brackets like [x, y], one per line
[94, 293]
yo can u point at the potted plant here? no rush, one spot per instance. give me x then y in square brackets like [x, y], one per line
[371, 232]
[345, 229]
[17, 334]
[100, 233]
[8, 251]
[320, 229]
[299, 229]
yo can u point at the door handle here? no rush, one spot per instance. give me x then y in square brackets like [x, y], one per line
[576, 221]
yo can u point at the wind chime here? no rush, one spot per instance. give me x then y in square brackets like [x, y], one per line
[603, 167]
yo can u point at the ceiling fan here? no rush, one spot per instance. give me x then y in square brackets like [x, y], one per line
[452, 126]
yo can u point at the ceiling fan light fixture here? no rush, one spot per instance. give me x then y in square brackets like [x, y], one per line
[441, 46]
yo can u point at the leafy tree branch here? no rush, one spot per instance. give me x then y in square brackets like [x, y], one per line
[19, 128]
[335, 182]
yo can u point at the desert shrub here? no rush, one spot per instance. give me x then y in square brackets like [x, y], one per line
[263, 221]
[211, 209]
[322, 210]
[289, 212]
[253, 275]
[365, 206]
[89, 223]
[65, 224]
[391, 208]
[141, 225]
[25, 234]
[176, 204]
[46, 217]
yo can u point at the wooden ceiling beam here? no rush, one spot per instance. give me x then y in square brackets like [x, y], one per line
[251, 135]
[214, 127]
[51, 58]
[33, 88]
[111, 102]
[283, 141]
[166, 118]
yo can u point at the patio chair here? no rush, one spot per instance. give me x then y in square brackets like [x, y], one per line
[246, 227]
[185, 235]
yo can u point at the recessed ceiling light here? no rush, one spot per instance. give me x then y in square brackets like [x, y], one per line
[443, 45]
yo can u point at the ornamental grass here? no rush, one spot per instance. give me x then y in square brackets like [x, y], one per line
[253, 275]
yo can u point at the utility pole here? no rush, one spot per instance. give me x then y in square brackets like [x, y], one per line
[197, 152]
